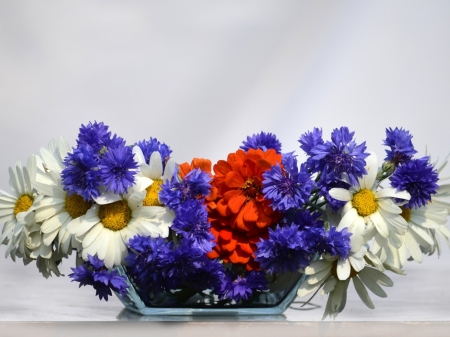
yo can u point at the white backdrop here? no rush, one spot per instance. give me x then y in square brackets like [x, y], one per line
[202, 75]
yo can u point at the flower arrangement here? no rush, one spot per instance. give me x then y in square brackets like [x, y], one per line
[231, 233]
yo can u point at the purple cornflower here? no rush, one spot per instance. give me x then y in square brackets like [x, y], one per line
[191, 221]
[402, 149]
[263, 141]
[336, 243]
[287, 188]
[310, 140]
[152, 145]
[283, 251]
[243, 286]
[341, 155]
[196, 184]
[94, 273]
[94, 135]
[81, 175]
[143, 261]
[117, 169]
[180, 263]
[419, 178]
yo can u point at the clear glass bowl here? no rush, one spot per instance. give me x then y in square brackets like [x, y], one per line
[282, 292]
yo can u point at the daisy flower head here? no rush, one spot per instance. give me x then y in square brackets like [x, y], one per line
[58, 207]
[18, 207]
[106, 228]
[333, 275]
[287, 187]
[340, 156]
[370, 208]
[401, 147]
[263, 141]
[419, 178]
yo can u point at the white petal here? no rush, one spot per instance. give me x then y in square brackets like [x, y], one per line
[343, 269]
[378, 277]
[372, 169]
[389, 206]
[306, 288]
[169, 169]
[148, 212]
[138, 155]
[390, 192]
[54, 222]
[317, 266]
[85, 225]
[379, 223]
[413, 247]
[362, 292]
[348, 219]
[320, 276]
[107, 198]
[341, 194]
[330, 285]
[91, 235]
[103, 242]
[111, 250]
[156, 166]
[371, 284]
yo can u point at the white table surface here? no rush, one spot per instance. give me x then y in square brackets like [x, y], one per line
[417, 304]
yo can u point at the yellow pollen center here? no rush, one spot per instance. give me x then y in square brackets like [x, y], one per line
[151, 198]
[250, 188]
[365, 203]
[76, 206]
[23, 204]
[406, 213]
[116, 215]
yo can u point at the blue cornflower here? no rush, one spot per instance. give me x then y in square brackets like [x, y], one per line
[244, 286]
[81, 175]
[402, 149]
[191, 221]
[341, 155]
[94, 273]
[180, 263]
[263, 141]
[287, 188]
[283, 251]
[143, 261]
[209, 275]
[94, 135]
[335, 243]
[310, 140]
[419, 178]
[196, 184]
[152, 145]
[117, 169]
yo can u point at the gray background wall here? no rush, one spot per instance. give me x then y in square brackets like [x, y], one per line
[202, 75]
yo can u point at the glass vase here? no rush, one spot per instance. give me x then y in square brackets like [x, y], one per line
[282, 292]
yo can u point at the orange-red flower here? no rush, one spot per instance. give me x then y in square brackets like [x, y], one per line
[242, 215]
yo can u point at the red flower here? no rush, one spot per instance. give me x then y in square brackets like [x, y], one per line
[242, 215]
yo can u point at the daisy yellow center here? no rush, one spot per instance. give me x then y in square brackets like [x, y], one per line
[365, 202]
[250, 188]
[151, 198]
[406, 213]
[23, 203]
[76, 206]
[116, 215]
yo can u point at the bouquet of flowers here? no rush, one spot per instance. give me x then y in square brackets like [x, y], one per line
[243, 232]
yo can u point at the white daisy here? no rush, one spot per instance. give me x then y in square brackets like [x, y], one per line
[58, 209]
[324, 273]
[17, 209]
[370, 209]
[106, 229]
